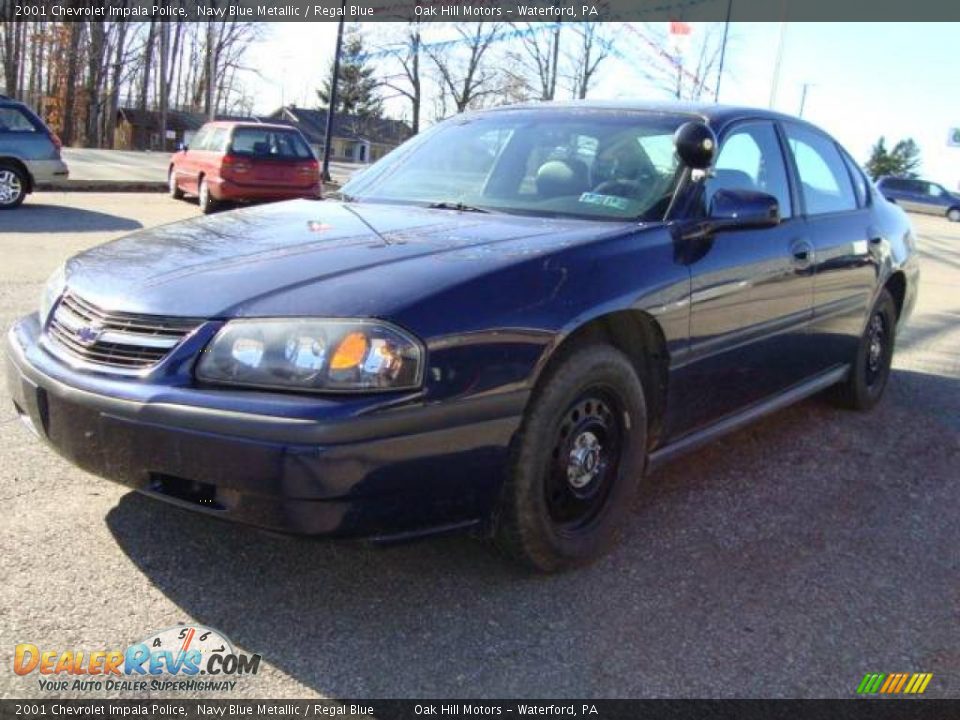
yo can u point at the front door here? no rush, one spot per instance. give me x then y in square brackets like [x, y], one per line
[751, 290]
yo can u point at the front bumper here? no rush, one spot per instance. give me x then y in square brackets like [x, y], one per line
[342, 471]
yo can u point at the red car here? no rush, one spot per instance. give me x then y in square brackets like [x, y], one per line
[239, 161]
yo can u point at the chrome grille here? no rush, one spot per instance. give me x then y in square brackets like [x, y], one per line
[121, 341]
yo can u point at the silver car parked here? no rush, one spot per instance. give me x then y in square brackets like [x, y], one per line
[29, 153]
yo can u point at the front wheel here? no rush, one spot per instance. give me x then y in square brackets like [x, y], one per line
[13, 187]
[953, 214]
[870, 371]
[577, 462]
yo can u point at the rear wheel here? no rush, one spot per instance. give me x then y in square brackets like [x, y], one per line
[175, 192]
[953, 214]
[578, 460]
[207, 203]
[870, 371]
[13, 186]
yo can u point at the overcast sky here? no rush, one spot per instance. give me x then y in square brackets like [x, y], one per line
[864, 79]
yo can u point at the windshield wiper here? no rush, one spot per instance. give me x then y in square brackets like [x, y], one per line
[459, 206]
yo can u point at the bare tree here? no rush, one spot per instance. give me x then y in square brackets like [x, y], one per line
[538, 57]
[409, 84]
[592, 48]
[685, 74]
[467, 79]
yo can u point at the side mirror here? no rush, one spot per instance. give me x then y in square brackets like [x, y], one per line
[696, 144]
[732, 209]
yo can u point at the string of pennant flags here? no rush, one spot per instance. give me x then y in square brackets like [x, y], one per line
[536, 29]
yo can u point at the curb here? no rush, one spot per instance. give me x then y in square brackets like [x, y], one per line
[123, 186]
[104, 186]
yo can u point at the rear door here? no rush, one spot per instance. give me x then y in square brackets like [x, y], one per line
[836, 207]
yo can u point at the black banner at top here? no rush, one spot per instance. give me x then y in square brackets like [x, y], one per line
[477, 10]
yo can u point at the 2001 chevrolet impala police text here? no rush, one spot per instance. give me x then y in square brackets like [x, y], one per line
[502, 325]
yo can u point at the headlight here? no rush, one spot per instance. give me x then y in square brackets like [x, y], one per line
[52, 291]
[319, 355]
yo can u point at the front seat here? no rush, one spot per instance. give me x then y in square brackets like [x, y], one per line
[557, 178]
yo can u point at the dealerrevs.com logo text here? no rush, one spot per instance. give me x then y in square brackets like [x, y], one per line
[188, 658]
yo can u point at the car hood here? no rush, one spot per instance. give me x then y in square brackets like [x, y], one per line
[334, 258]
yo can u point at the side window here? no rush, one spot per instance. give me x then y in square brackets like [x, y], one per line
[750, 159]
[216, 140]
[824, 180]
[859, 180]
[12, 120]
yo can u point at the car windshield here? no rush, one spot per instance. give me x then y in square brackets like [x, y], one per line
[579, 163]
[269, 143]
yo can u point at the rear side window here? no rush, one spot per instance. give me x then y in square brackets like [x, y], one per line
[859, 180]
[270, 143]
[216, 141]
[750, 159]
[824, 179]
[15, 120]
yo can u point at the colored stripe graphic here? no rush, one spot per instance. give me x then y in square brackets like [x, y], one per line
[894, 683]
[871, 683]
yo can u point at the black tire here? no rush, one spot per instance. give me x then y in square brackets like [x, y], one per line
[566, 495]
[953, 214]
[207, 202]
[13, 186]
[870, 371]
[174, 191]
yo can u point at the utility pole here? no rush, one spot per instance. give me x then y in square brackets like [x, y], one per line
[775, 83]
[803, 97]
[328, 134]
[723, 50]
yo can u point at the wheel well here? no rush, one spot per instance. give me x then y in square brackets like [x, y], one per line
[638, 336]
[13, 162]
[896, 285]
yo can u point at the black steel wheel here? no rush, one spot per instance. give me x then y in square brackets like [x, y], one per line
[870, 369]
[578, 459]
[585, 458]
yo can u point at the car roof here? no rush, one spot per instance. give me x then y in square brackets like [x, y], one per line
[248, 124]
[711, 113]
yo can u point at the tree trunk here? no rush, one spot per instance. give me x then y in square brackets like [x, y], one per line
[147, 64]
[73, 64]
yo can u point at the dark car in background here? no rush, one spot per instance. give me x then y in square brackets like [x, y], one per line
[237, 161]
[503, 325]
[29, 153]
[921, 196]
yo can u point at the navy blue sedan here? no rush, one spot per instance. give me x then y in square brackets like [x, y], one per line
[504, 325]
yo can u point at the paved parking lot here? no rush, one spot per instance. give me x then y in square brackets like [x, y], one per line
[134, 166]
[786, 560]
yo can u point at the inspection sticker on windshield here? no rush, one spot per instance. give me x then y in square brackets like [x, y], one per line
[606, 200]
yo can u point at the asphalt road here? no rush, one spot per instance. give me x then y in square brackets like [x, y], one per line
[130, 166]
[786, 560]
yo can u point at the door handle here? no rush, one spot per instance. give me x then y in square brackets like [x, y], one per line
[802, 252]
